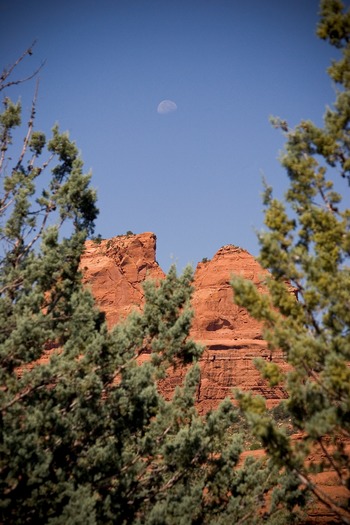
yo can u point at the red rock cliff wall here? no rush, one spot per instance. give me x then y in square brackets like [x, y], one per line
[116, 268]
[231, 337]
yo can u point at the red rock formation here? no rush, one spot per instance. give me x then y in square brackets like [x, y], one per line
[231, 337]
[115, 269]
[218, 320]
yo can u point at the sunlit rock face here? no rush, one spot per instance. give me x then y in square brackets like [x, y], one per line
[232, 339]
[115, 270]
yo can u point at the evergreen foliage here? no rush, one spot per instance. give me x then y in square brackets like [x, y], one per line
[308, 245]
[85, 436]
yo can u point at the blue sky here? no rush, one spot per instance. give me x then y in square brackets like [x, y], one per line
[192, 176]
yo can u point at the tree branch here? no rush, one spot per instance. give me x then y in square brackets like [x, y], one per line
[323, 498]
[30, 127]
[7, 72]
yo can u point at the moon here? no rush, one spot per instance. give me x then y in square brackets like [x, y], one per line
[166, 106]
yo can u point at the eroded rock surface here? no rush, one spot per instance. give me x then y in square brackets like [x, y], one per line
[116, 269]
[231, 337]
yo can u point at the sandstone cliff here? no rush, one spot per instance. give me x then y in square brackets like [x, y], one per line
[116, 268]
[231, 337]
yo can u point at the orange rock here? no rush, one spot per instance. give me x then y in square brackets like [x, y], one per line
[232, 339]
[217, 318]
[116, 269]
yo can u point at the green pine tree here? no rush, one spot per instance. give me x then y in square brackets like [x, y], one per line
[308, 245]
[85, 436]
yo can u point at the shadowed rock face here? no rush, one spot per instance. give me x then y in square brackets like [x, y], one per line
[116, 269]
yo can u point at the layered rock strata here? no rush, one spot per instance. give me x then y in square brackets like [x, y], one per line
[115, 270]
[232, 339]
